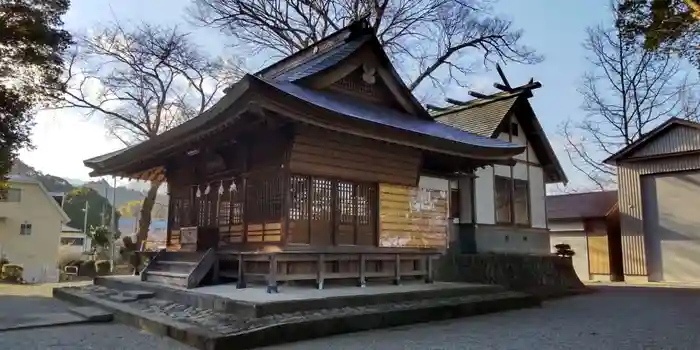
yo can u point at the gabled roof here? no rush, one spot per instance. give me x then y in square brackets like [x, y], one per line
[42, 189]
[648, 137]
[481, 119]
[485, 116]
[388, 117]
[281, 88]
[580, 205]
[331, 50]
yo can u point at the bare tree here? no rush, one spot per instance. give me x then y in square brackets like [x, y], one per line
[628, 91]
[142, 81]
[431, 38]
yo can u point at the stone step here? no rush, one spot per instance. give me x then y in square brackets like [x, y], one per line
[172, 266]
[168, 274]
[167, 278]
[92, 314]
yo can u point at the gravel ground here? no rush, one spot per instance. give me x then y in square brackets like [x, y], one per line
[617, 318]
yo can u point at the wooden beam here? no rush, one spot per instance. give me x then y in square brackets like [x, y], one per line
[436, 108]
[502, 87]
[477, 94]
[456, 102]
[503, 76]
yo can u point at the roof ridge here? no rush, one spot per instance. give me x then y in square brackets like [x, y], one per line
[476, 102]
[348, 29]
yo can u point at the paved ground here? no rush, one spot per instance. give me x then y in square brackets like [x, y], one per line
[16, 300]
[615, 318]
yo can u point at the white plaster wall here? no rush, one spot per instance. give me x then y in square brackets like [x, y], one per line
[579, 244]
[511, 240]
[465, 199]
[501, 170]
[434, 183]
[485, 206]
[537, 198]
[566, 226]
[520, 171]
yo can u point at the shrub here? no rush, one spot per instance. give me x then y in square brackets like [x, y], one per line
[67, 254]
[103, 267]
[3, 261]
[129, 252]
[11, 273]
[564, 250]
[87, 268]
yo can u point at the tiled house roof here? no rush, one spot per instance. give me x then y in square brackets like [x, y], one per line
[580, 205]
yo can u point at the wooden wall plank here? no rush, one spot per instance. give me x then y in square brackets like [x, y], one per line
[325, 153]
[412, 217]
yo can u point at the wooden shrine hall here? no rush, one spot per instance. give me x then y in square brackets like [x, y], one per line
[321, 166]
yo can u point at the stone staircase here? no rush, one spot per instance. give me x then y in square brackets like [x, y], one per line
[181, 269]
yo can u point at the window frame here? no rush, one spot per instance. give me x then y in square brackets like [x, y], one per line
[512, 201]
[25, 229]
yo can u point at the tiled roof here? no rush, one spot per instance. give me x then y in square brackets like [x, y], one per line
[481, 119]
[580, 205]
[389, 117]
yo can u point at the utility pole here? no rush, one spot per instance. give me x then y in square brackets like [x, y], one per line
[85, 220]
[113, 224]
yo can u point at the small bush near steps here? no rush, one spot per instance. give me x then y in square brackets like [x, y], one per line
[564, 250]
[102, 267]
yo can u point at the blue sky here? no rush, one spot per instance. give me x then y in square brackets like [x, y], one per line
[554, 28]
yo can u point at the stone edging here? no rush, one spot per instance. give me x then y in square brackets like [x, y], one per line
[296, 328]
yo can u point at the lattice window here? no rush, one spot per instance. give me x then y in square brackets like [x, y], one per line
[236, 214]
[366, 203]
[342, 204]
[299, 190]
[321, 199]
[224, 213]
[264, 198]
[346, 202]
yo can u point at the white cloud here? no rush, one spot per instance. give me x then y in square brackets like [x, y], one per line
[63, 139]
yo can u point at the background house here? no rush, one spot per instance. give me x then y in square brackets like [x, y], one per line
[659, 200]
[31, 222]
[589, 223]
[508, 211]
[74, 241]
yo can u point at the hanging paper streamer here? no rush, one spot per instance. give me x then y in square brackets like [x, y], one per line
[221, 188]
[198, 193]
[206, 190]
[232, 188]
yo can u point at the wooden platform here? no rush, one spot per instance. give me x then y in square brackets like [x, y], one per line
[355, 265]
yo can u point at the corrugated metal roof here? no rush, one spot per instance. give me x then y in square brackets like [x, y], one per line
[580, 205]
[389, 117]
[482, 119]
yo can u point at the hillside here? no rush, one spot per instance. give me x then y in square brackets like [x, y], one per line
[123, 195]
